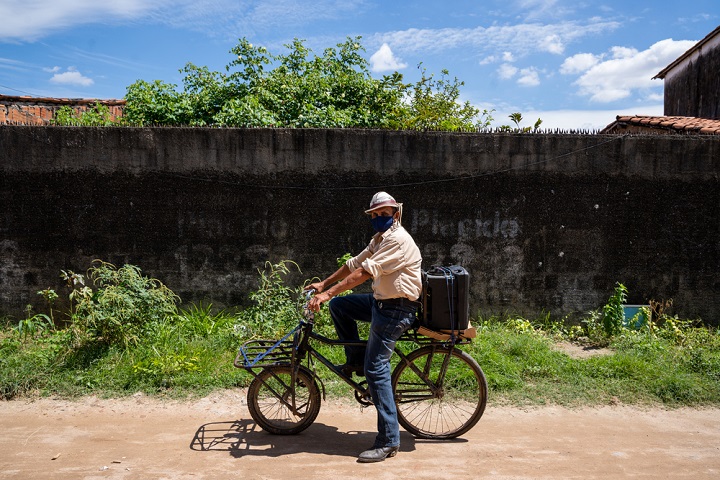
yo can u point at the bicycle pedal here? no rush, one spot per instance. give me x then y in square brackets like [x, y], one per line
[350, 369]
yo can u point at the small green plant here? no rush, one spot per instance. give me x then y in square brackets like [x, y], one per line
[50, 296]
[613, 314]
[34, 324]
[593, 328]
[343, 260]
[516, 118]
[520, 325]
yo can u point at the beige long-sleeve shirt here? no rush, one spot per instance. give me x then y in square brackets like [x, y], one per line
[394, 261]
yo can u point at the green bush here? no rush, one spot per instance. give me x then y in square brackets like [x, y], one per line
[97, 116]
[123, 305]
[276, 306]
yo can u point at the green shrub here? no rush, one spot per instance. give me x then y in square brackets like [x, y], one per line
[96, 116]
[276, 307]
[123, 305]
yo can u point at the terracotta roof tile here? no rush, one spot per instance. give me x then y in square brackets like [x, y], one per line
[679, 124]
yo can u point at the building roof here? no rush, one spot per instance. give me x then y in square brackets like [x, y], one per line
[698, 46]
[664, 124]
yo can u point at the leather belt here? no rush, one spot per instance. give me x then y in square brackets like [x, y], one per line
[398, 302]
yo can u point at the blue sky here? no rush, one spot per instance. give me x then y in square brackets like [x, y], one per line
[574, 64]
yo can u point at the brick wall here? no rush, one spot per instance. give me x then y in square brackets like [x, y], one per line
[39, 111]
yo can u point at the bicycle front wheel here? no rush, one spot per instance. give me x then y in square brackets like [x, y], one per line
[440, 393]
[271, 403]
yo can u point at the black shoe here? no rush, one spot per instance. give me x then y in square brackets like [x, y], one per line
[348, 370]
[377, 454]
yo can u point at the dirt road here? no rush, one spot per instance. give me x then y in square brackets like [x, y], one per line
[215, 438]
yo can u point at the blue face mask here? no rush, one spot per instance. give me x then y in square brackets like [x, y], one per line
[381, 224]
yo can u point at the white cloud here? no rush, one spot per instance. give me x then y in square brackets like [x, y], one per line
[529, 77]
[514, 40]
[52, 69]
[72, 77]
[29, 21]
[552, 44]
[526, 77]
[579, 63]
[623, 52]
[506, 57]
[506, 71]
[629, 71]
[384, 60]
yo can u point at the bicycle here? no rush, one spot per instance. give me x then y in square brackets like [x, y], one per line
[440, 390]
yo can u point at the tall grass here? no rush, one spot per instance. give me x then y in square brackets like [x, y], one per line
[189, 351]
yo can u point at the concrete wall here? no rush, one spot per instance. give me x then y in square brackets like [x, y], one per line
[542, 222]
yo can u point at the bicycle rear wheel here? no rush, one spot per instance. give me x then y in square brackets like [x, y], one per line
[270, 400]
[439, 395]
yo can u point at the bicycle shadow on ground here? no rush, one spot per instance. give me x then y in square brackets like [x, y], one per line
[243, 438]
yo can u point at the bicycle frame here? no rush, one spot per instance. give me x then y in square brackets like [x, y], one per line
[270, 353]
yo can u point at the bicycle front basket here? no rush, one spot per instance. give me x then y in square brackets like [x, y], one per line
[264, 353]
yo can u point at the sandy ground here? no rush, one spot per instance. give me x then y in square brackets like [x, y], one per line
[215, 438]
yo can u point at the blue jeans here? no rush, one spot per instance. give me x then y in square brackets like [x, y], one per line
[387, 324]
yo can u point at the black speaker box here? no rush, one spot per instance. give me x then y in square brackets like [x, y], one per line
[446, 298]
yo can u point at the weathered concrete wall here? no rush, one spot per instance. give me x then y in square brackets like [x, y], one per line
[542, 222]
[694, 89]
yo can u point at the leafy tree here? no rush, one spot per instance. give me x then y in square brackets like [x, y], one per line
[435, 105]
[299, 89]
[156, 103]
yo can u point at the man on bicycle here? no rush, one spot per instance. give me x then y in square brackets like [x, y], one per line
[393, 261]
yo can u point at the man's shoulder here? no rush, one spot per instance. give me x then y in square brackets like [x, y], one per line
[396, 233]
[402, 231]
[401, 237]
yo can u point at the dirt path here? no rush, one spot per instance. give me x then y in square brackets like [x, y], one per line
[215, 438]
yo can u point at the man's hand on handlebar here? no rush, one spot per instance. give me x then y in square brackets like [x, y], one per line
[316, 301]
[317, 286]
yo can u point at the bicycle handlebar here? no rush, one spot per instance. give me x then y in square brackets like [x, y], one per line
[307, 313]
